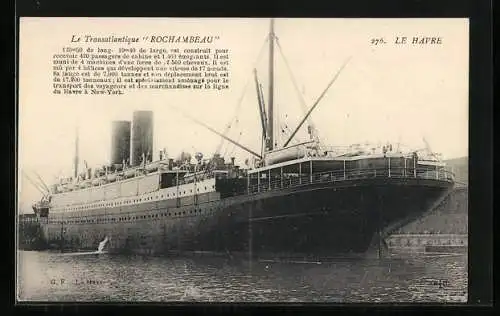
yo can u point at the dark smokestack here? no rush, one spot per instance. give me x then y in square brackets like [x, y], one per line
[142, 136]
[120, 141]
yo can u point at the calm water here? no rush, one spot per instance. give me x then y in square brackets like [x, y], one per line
[44, 276]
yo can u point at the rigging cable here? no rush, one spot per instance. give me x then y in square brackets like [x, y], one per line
[297, 90]
[36, 185]
[234, 146]
[240, 100]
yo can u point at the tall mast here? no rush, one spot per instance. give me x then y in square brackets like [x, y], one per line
[270, 121]
[76, 154]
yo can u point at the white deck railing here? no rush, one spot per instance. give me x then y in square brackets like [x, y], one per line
[279, 182]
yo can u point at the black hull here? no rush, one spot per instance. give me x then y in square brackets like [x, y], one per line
[318, 218]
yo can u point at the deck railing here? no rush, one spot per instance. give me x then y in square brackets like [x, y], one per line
[278, 182]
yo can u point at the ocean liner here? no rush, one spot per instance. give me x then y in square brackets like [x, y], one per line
[301, 198]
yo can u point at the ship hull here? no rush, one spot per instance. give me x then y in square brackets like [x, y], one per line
[319, 219]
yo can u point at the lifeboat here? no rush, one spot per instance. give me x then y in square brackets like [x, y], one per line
[288, 153]
[112, 177]
[95, 181]
[62, 188]
[129, 173]
[152, 167]
[85, 184]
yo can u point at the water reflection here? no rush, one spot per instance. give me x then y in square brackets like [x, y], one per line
[45, 276]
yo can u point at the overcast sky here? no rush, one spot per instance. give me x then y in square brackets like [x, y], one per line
[385, 93]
